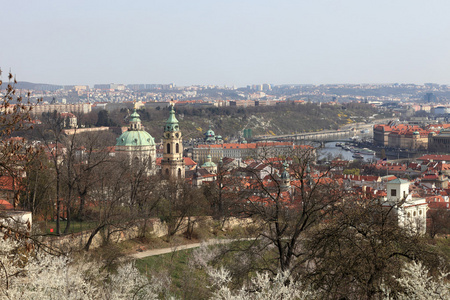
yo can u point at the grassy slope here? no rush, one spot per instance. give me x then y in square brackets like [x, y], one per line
[280, 119]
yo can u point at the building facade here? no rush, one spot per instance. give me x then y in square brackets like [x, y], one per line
[243, 151]
[402, 136]
[79, 108]
[411, 211]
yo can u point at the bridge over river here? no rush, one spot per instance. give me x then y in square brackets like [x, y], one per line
[346, 132]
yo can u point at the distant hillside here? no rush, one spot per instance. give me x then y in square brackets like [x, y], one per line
[275, 120]
[34, 86]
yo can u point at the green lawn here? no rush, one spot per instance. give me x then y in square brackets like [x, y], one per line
[443, 244]
[74, 226]
[186, 283]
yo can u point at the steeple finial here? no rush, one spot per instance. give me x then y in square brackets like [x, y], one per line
[172, 122]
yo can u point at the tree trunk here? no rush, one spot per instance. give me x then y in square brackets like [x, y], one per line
[58, 206]
[91, 237]
[66, 230]
[82, 204]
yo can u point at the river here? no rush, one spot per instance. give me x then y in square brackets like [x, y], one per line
[331, 150]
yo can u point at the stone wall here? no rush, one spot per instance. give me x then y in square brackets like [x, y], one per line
[154, 227]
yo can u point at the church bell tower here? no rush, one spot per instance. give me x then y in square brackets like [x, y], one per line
[172, 164]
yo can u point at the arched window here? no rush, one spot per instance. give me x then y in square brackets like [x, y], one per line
[168, 148]
[179, 172]
[177, 148]
[167, 172]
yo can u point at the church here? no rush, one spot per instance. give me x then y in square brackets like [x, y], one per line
[137, 147]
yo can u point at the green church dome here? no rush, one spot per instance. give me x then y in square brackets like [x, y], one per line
[210, 136]
[209, 163]
[135, 138]
[285, 174]
[210, 133]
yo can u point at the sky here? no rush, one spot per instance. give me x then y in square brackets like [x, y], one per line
[226, 42]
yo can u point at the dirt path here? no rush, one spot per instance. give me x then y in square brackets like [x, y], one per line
[153, 252]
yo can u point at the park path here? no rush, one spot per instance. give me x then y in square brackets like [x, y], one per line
[154, 252]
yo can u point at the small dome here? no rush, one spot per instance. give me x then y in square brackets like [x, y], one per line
[285, 175]
[210, 133]
[209, 164]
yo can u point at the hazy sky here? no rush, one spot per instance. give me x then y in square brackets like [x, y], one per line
[226, 42]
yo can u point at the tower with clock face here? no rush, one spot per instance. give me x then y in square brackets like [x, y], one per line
[172, 164]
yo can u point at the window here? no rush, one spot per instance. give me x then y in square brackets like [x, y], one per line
[179, 173]
[393, 193]
[177, 148]
[420, 212]
[168, 148]
[414, 214]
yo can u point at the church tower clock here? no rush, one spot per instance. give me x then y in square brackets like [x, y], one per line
[172, 164]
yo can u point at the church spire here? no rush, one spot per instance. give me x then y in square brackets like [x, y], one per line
[172, 164]
[285, 177]
[172, 122]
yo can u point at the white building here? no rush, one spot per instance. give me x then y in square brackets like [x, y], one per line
[411, 211]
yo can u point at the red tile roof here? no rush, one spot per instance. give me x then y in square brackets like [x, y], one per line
[5, 205]
[358, 177]
[188, 161]
[434, 157]
[6, 183]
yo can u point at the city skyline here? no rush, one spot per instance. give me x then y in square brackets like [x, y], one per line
[228, 43]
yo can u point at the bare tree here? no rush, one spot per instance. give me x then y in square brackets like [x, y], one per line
[180, 206]
[38, 186]
[15, 116]
[360, 249]
[110, 201]
[220, 193]
[439, 221]
[285, 202]
[85, 154]
[123, 196]
[51, 134]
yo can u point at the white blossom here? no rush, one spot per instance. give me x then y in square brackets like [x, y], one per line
[419, 285]
[40, 275]
[263, 286]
